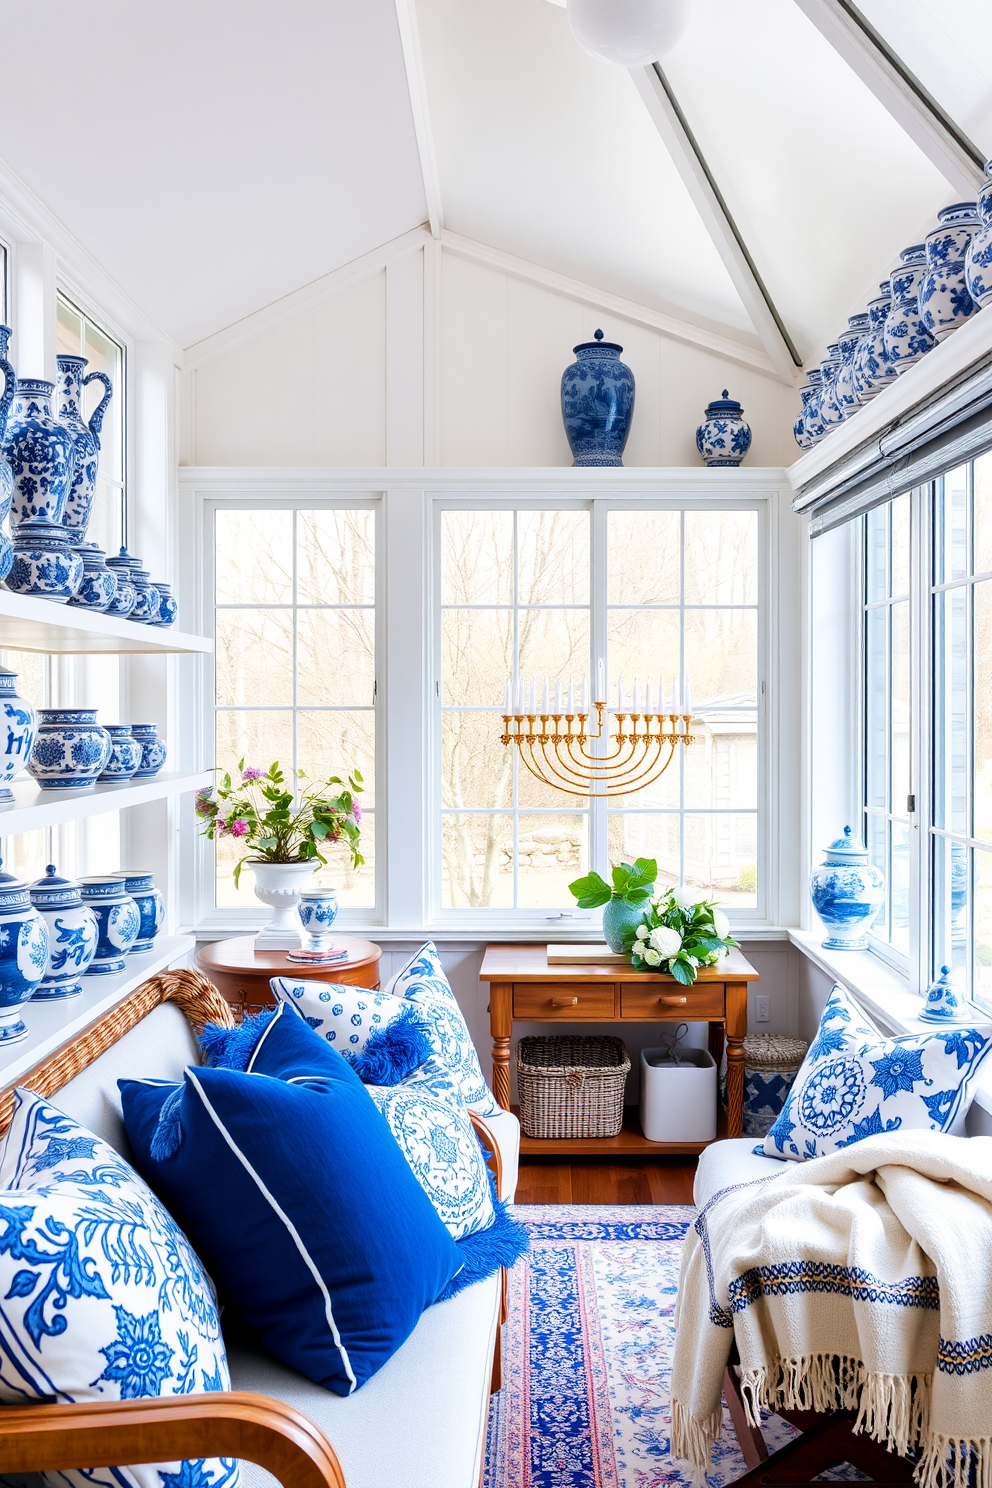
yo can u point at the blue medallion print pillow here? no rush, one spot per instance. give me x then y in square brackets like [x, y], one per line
[855, 1082]
[103, 1298]
[422, 982]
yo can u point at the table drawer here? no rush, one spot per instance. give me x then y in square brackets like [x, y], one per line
[549, 1000]
[638, 1000]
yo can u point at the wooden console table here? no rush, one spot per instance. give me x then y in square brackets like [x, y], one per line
[523, 988]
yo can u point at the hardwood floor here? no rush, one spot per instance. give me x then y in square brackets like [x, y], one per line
[591, 1180]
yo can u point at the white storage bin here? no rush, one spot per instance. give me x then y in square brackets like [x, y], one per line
[678, 1101]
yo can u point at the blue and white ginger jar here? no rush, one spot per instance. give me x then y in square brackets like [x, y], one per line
[23, 955]
[724, 436]
[836, 403]
[140, 884]
[6, 475]
[945, 303]
[905, 337]
[145, 607]
[41, 454]
[942, 1003]
[153, 750]
[597, 403]
[98, 585]
[85, 438]
[126, 596]
[872, 369]
[70, 749]
[846, 393]
[803, 435]
[117, 919]
[45, 564]
[978, 260]
[18, 732]
[847, 892]
[125, 753]
[317, 909]
[168, 607]
[72, 935]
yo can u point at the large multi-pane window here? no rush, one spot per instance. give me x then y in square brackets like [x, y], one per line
[658, 594]
[295, 626]
[79, 335]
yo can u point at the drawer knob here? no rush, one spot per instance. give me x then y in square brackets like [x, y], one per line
[568, 1001]
[672, 1001]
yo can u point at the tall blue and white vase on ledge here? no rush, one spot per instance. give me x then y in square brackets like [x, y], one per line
[70, 749]
[153, 750]
[18, 733]
[945, 303]
[140, 884]
[72, 935]
[23, 955]
[847, 892]
[6, 475]
[317, 909]
[724, 436]
[85, 436]
[40, 452]
[978, 260]
[117, 918]
[906, 338]
[597, 403]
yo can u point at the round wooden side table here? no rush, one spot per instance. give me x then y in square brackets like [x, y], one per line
[241, 974]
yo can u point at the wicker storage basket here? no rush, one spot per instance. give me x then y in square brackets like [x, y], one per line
[771, 1063]
[571, 1086]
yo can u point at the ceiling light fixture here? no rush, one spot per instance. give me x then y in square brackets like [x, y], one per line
[632, 33]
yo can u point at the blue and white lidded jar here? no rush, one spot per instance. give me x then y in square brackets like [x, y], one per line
[146, 605]
[23, 955]
[41, 455]
[835, 405]
[978, 260]
[847, 892]
[945, 303]
[140, 884]
[724, 437]
[943, 1005]
[126, 600]
[125, 753]
[905, 337]
[98, 586]
[72, 935]
[872, 370]
[168, 605]
[318, 909]
[597, 403]
[6, 475]
[18, 734]
[153, 750]
[45, 564]
[803, 435]
[845, 389]
[70, 749]
[117, 918]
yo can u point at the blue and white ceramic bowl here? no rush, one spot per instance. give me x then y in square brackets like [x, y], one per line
[118, 922]
[18, 732]
[72, 935]
[945, 303]
[847, 892]
[905, 337]
[168, 606]
[41, 455]
[70, 749]
[153, 750]
[98, 585]
[125, 753]
[45, 564]
[318, 909]
[140, 884]
[724, 436]
[23, 955]
[978, 260]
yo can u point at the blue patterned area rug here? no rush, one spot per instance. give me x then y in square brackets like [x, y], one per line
[587, 1354]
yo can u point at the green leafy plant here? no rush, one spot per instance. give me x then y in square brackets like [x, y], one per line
[679, 933]
[277, 823]
[631, 883]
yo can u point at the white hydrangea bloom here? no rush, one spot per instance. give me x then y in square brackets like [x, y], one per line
[666, 942]
[721, 924]
[653, 958]
[642, 932]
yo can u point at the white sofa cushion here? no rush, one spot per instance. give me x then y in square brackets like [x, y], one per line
[726, 1164]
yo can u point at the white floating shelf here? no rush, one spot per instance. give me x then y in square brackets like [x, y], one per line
[40, 625]
[33, 807]
[52, 1024]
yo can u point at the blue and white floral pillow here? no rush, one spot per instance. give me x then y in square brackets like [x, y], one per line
[856, 1083]
[423, 982]
[103, 1297]
[423, 975]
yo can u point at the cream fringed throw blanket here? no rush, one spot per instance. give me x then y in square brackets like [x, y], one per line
[862, 1280]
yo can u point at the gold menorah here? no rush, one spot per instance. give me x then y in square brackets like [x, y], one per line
[639, 757]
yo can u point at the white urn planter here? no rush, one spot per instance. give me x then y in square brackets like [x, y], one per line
[279, 885]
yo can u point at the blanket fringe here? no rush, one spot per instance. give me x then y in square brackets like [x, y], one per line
[952, 1462]
[691, 1439]
[812, 1382]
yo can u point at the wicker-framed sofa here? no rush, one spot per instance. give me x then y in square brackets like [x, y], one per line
[420, 1421]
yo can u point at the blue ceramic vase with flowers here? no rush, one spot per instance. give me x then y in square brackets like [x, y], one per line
[85, 436]
[23, 955]
[847, 892]
[724, 436]
[597, 403]
[945, 303]
[978, 260]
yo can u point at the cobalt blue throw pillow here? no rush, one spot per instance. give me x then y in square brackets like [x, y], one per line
[301, 1204]
[855, 1083]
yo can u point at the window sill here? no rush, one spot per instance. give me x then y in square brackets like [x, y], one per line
[501, 934]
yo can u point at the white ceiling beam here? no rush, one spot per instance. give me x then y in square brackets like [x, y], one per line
[899, 92]
[413, 61]
[720, 225]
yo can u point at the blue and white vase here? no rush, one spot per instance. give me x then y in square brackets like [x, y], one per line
[126, 597]
[906, 338]
[847, 892]
[85, 438]
[845, 393]
[6, 475]
[802, 432]
[168, 607]
[724, 436]
[70, 749]
[943, 1003]
[872, 369]
[945, 303]
[23, 955]
[317, 909]
[40, 452]
[978, 260]
[45, 564]
[140, 884]
[153, 750]
[125, 753]
[98, 585]
[835, 405]
[18, 732]
[117, 920]
[597, 403]
[813, 424]
[72, 935]
[145, 605]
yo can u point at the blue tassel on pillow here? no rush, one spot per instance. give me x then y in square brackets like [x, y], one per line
[231, 1048]
[394, 1052]
[167, 1138]
[501, 1244]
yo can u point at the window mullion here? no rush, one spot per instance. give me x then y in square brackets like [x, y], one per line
[598, 633]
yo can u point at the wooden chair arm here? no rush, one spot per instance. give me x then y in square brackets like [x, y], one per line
[485, 1135]
[55, 1438]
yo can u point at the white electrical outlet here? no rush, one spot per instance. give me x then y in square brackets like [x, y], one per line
[761, 1009]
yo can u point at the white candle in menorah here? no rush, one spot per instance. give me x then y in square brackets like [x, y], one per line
[553, 739]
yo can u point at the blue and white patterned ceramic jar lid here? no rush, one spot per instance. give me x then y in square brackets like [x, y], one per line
[723, 407]
[846, 849]
[13, 892]
[54, 892]
[102, 888]
[603, 348]
[8, 682]
[957, 213]
[916, 254]
[67, 715]
[136, 878]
